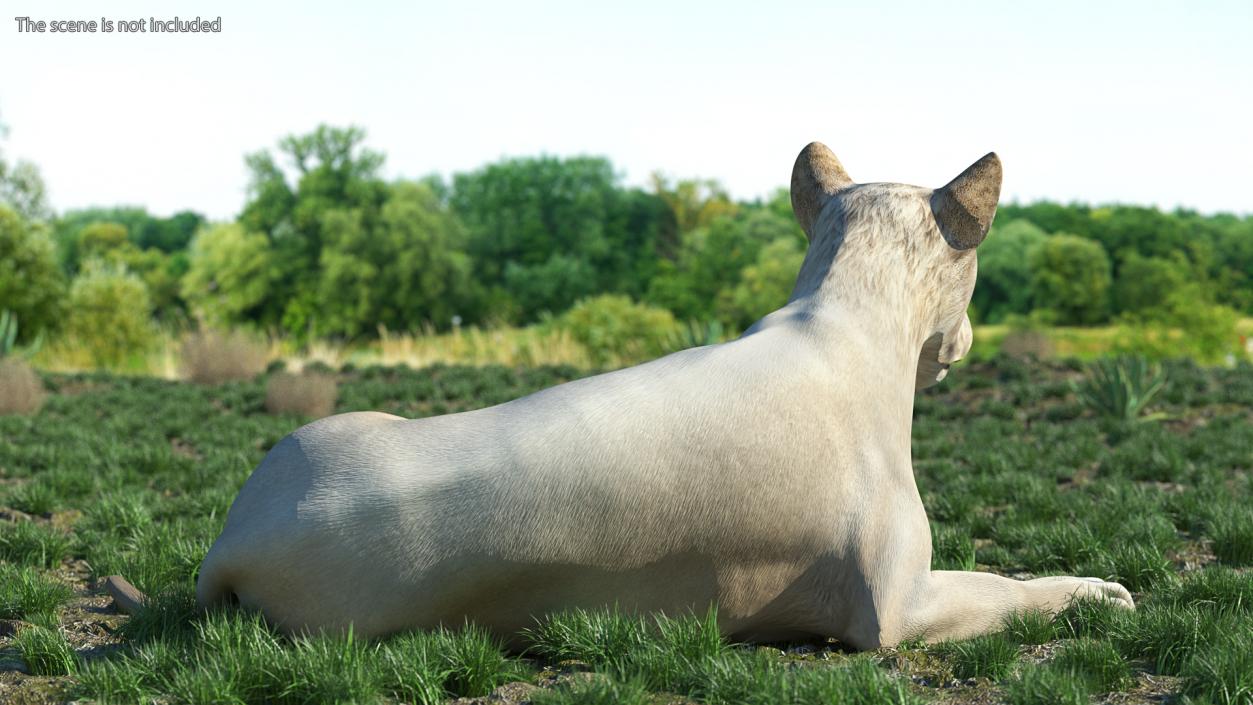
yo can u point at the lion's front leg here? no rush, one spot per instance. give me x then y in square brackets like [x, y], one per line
[960, 605]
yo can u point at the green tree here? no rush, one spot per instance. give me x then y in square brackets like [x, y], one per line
[110, 313]
[1071, 278]
[330, 170]
[230, 275]
[1004, 285]
[99, 240]
[711, 260]
[545, 231]
[765, 285]
[22, 188]
[1144, 283]
[31, 284]
[408, 270]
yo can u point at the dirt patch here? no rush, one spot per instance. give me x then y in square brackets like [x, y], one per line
[89, 622]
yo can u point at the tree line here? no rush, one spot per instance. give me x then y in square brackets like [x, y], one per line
[326, 247]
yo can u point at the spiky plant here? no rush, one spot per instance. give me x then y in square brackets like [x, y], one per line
[8, 337]
[1121, 388]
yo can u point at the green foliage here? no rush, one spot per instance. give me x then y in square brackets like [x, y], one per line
[711, 259]
[1222, 672]
[1232, 531]
[990, 656]
[230, 276]
[1145, 283]
[1040, 685]
[612, 325]
[1030, 627]
[1005, 269]
[25, 592]
[765, 285]
[1071, 277]
[398, 269]
[596, 691]
[9, 329]
[31, 284]
[1188, 323]
[45, 651]
[1097, 663]
[110, 313]
[548, 231]
[22, 188]
[1121, 388]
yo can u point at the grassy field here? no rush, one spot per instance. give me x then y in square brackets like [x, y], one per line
[133, 475]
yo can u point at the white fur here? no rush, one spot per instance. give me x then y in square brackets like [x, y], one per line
[770, 475]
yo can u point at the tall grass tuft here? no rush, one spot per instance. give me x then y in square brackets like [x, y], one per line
[25, 592]
[45, 651]
[990, 656]
[1232, 535]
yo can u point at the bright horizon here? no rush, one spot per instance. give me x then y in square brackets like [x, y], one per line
[1140, 103]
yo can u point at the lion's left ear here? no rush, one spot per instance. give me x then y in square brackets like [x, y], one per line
[816, 176]
[965, 207]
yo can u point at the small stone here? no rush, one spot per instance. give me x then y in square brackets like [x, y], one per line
[12, 663]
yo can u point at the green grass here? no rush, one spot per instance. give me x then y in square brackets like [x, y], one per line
[25, 593]
[1097, 663]
[134, 476]
[990, 656]
[45, 651]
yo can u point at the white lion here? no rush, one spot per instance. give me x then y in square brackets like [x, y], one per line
[770, 475]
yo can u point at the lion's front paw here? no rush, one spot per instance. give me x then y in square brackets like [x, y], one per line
[1054, 593]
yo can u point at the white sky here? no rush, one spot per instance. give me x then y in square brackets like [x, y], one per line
[1139, 102]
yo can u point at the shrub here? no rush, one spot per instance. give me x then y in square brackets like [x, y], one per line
[21, 392]
[614, 328]
[765, 285]
[31, 284]
[1121, 388]
[311, 394]
[110, 314]
[1071, 276]
[213, 357]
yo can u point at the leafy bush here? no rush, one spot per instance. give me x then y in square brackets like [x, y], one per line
[230, 275]
[613, 327]
[765, 285]
[31, 284]
[1071, 276]
[1188, 324]
[1120, 388]
[110, 314]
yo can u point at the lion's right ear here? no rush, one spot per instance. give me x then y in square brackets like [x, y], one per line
[816, 177]
[964, 209]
